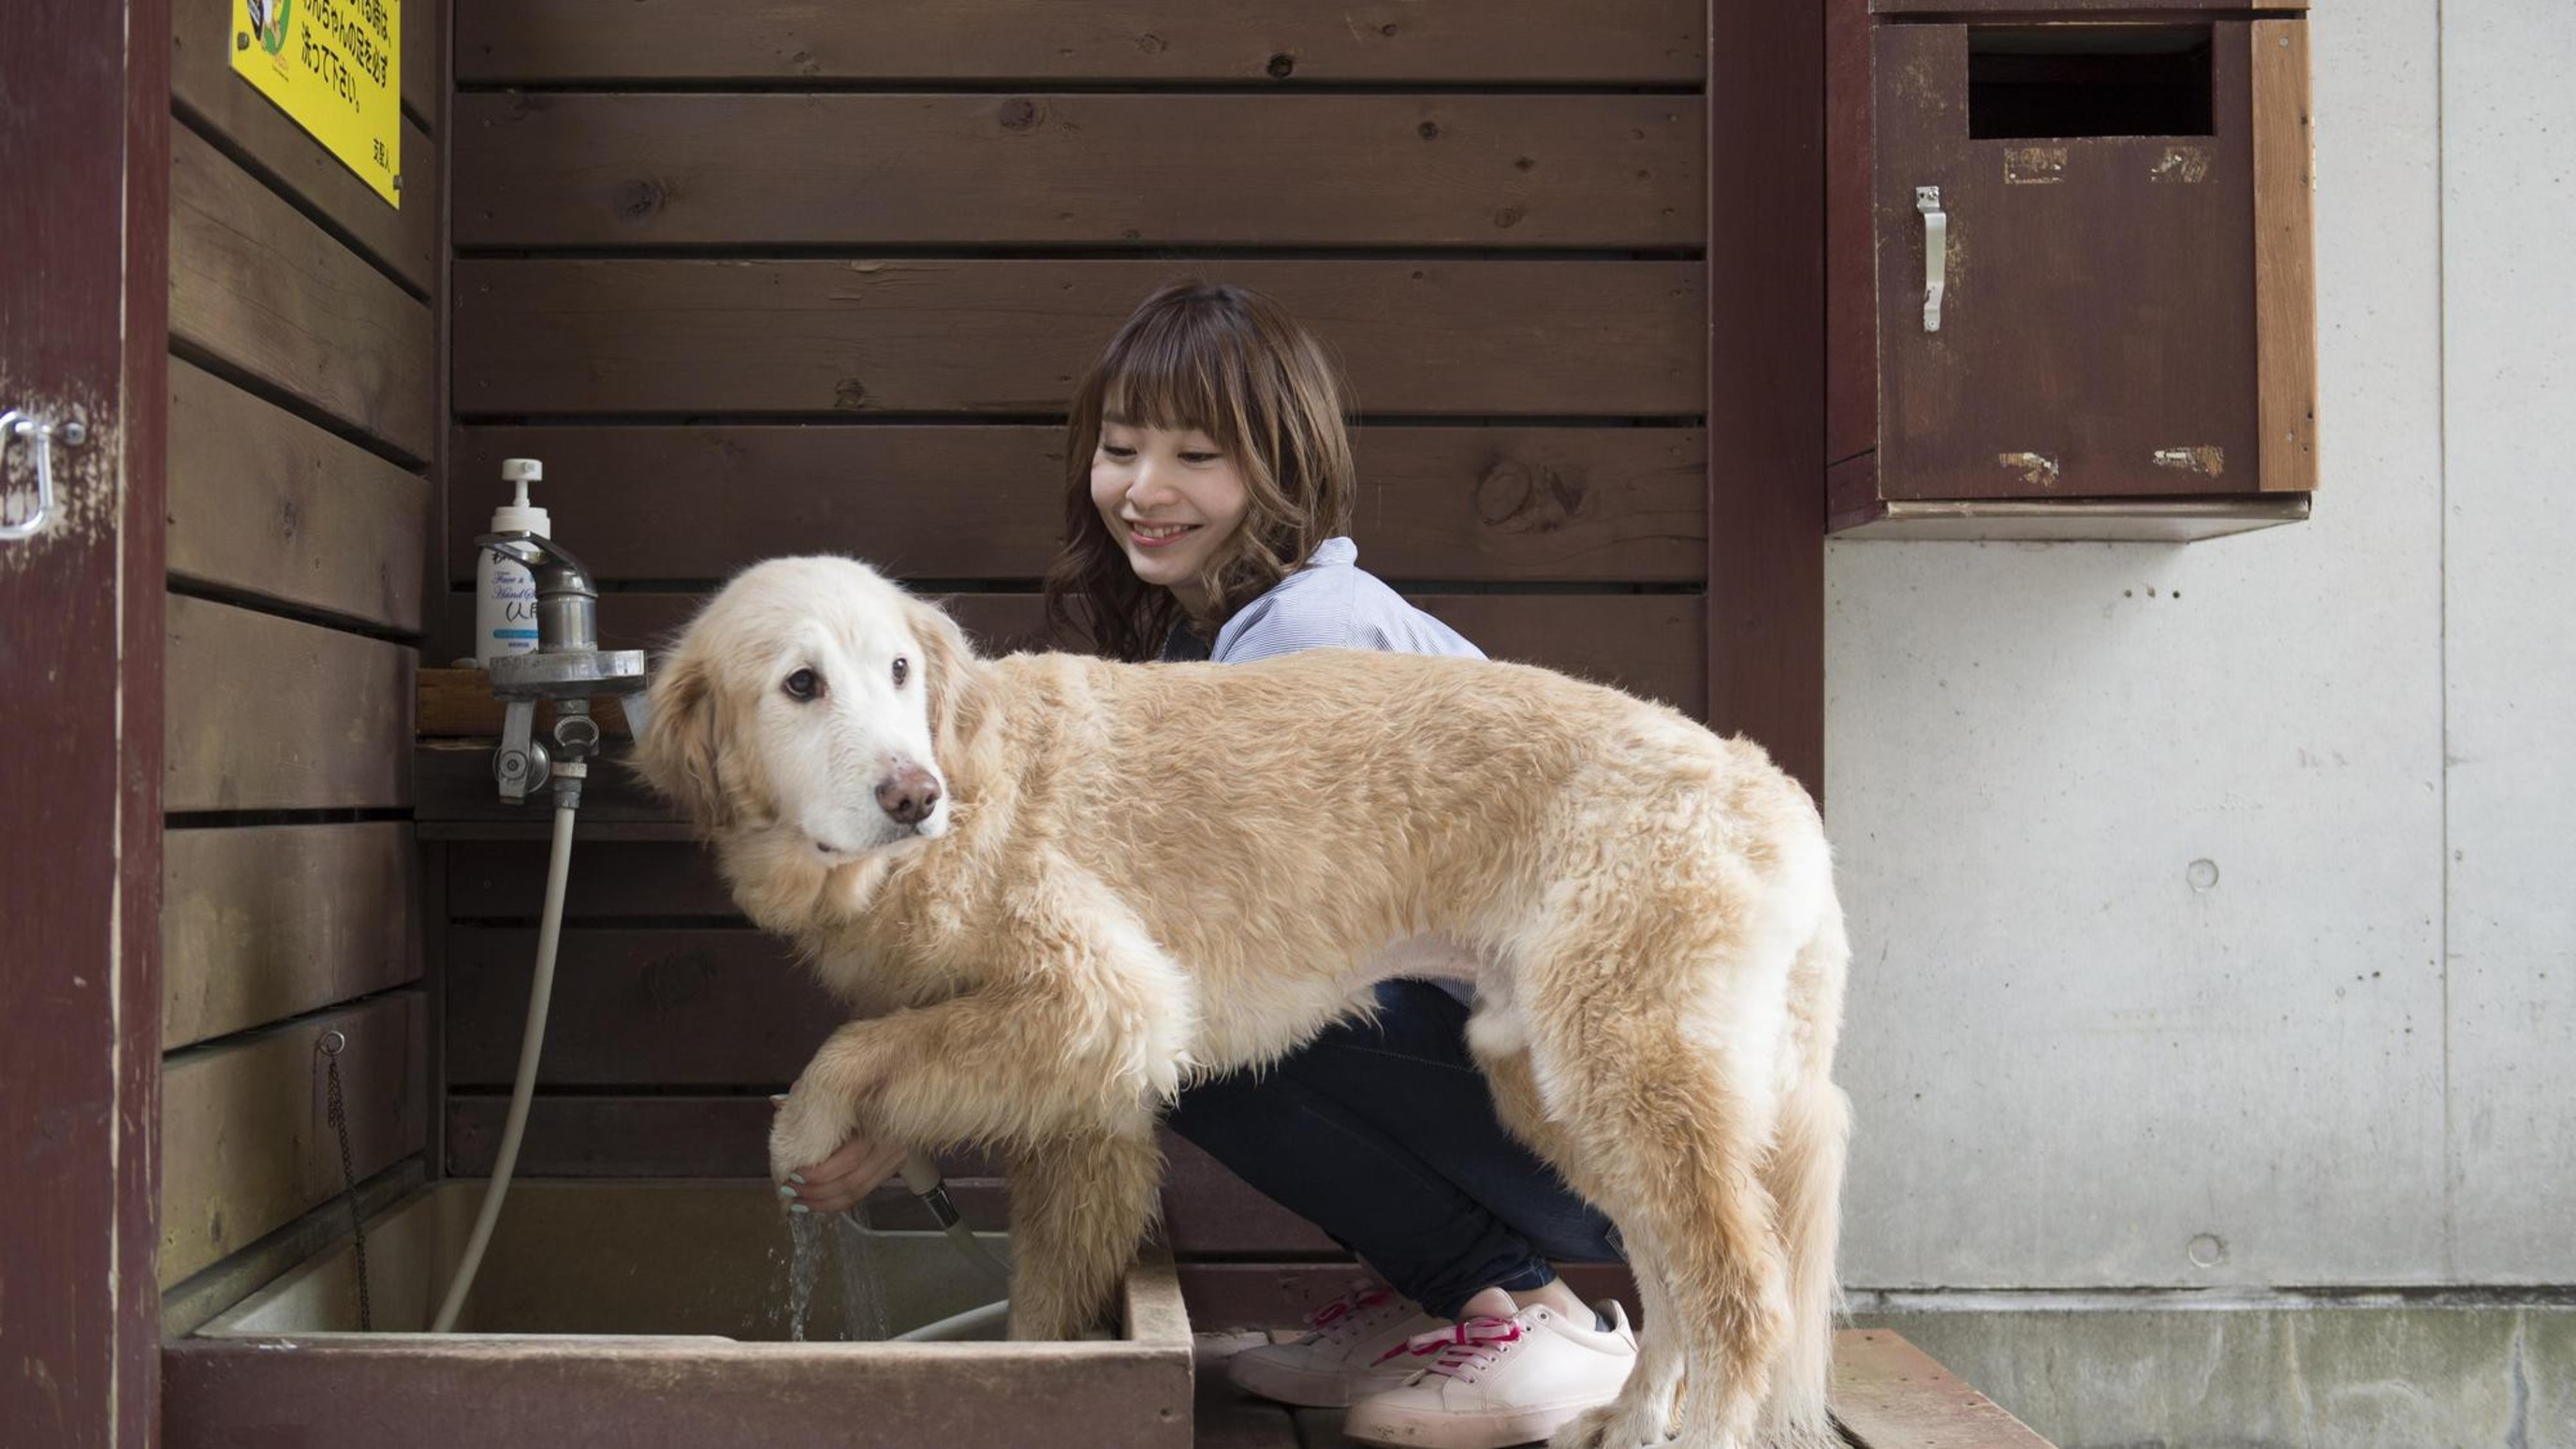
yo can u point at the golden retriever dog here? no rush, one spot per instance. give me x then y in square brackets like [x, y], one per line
[1054, 889]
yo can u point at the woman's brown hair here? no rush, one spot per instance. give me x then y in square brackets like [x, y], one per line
[1233, 364]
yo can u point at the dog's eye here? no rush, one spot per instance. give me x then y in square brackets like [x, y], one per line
[902, 671]
[804, 684]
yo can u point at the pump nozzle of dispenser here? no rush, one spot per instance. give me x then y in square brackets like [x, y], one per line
[522, 471]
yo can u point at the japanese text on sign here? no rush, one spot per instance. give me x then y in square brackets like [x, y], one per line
[335, 66]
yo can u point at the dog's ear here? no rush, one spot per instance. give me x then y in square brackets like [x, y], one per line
[677, 749]
[947, 668]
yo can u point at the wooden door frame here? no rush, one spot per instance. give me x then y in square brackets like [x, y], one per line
[1766, 378]
[84, 331]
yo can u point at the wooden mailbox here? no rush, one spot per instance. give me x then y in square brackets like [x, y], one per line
[2094, 309]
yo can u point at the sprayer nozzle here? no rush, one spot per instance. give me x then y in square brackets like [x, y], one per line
[921, 1176]
[920, 1173]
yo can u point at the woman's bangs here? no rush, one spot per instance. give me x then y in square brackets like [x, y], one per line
[1166, 378]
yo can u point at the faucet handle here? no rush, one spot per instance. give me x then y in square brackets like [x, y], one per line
[523, 764]
[556, 569]
[520, 547]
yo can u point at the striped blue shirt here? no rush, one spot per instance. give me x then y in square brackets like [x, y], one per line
[1331, 603]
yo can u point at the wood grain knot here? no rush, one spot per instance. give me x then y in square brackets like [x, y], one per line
[639, 198]
[1518, 497]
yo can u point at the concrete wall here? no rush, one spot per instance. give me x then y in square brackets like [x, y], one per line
[2215, 905]
[2314, 1375]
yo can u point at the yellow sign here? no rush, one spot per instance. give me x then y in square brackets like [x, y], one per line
[336, 67]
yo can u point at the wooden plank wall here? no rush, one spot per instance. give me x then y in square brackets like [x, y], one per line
[303, 420]
[823, 277]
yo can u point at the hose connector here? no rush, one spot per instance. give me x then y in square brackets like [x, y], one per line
[921, 1177]
[568, 778]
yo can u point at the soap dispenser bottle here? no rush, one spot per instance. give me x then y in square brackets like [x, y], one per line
[505, 593]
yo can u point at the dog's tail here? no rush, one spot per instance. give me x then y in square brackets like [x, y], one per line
[1804, 1173]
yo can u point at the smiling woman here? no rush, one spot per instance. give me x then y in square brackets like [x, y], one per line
[1210, 489]
[1206, 460]
[1172, 499]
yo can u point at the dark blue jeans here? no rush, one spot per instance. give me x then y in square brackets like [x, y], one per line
[1383, 1135]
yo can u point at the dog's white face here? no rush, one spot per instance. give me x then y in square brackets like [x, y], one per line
[844, 731]
[803, 703]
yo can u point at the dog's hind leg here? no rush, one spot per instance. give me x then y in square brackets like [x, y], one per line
[1655, 1039]
[1805, 1175]
[1669, 1142]
[1495, 1037]
[1648, 1411]
[1080, 1203]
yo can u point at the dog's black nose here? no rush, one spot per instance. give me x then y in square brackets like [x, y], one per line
[909, 794]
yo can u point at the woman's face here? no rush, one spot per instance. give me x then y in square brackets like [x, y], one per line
[1171, 499]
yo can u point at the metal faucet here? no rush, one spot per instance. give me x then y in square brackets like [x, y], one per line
[568, 667]
[567, 601]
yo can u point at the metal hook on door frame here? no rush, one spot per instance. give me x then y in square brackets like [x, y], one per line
[40, 434]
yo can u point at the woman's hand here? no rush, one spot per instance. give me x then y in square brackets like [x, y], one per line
[840, 1180]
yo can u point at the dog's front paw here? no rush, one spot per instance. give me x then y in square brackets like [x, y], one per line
[811, 1127]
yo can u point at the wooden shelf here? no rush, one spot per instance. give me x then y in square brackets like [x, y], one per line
[2076, 520]
[459, 704]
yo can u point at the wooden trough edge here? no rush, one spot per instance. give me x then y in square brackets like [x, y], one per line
[539, 1393]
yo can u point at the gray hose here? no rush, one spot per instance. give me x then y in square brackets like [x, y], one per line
[549, 934]
[957, 1325]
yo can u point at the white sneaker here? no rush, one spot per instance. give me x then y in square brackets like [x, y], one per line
[1495, 1381]
[1344, 1355]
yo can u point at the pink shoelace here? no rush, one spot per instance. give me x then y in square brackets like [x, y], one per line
[1358, 1300]
[1471, 1344]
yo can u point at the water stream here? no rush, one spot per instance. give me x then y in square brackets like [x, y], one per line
[842, 1240]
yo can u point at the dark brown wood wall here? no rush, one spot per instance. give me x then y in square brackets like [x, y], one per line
[303, 425]
[787, 278]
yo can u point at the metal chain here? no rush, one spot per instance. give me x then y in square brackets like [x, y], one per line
[330, 1046]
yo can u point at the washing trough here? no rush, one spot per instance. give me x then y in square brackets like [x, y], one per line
[643, 1314]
